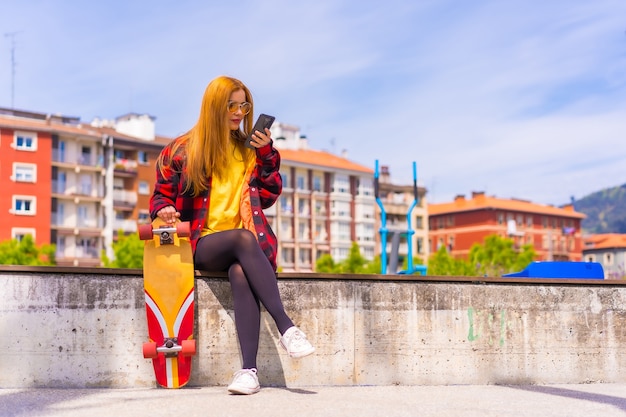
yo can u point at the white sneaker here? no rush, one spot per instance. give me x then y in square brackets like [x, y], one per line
[295, 343]
[245, 382]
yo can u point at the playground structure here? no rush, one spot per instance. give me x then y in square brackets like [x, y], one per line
[391, 265]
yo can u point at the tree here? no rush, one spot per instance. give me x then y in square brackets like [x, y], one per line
[498, 256]
[128, 251]
[325, 264]
[355, 263]
[25, 252]
[442, 263]
[495, 257]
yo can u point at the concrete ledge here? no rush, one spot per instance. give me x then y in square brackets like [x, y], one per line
[81, 327]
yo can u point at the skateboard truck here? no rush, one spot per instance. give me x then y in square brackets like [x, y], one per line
[165, 235]
[170, 347]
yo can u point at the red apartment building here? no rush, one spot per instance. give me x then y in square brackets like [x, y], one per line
[74, 184]
[555, 233]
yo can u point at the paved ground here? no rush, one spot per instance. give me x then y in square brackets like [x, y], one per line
[591, 400]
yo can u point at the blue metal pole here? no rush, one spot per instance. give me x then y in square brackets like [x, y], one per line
[410, 231]
[383, 224]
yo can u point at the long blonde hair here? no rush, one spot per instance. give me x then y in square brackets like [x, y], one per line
[206, 145]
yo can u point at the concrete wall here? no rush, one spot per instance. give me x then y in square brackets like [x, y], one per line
[74, 327]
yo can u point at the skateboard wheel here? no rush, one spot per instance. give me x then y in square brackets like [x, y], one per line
[150, 350]
[145, 232]
[183, 229]
[189, 347]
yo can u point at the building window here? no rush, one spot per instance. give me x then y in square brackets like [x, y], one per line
[320, 208]
[344, 231]
[25, 141]
[305, 256]
[303, 207]
[367, 232]
[419, 222]
[420, 245]
[300, 182]
[287, 255]
[285, 229]
[285, 179]
[303, 230]
[365, 188]
[144, 217]
[341, 184]
[340, 208]
[142, 157]
[285, 205]
[608, 259]
[19, 233]
[24, 172]
[500, 218]
[317, 183]
[25, 205]
[144, 188]
[590, 258]
[529, 221]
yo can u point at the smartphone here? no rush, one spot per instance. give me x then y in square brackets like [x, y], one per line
[264, 121]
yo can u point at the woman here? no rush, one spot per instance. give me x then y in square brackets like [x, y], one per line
[211, 179]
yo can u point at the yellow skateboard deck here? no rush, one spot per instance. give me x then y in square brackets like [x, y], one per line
[168, 276]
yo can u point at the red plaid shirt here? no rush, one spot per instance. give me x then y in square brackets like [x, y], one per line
[261, 190]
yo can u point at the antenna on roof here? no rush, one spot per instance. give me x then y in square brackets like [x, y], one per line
[13, 64]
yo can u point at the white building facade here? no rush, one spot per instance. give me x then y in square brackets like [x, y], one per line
[327, 204]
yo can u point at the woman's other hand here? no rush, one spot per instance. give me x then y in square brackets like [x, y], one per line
[168, 214]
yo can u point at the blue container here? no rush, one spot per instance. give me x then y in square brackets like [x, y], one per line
[572, 270]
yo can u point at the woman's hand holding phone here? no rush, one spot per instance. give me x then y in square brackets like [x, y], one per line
[260, 135]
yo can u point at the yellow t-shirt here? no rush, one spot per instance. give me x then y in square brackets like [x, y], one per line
[226, 195]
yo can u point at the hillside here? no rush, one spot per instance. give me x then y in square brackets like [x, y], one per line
[605, 210]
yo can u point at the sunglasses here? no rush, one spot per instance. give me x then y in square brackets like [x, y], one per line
[244, 107]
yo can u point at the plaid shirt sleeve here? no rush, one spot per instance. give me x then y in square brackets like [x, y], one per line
[166, 186]
[267, 175]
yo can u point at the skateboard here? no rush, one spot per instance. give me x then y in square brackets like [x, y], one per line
[168, 280]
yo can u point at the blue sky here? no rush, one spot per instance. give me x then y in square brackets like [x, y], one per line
[518, 98]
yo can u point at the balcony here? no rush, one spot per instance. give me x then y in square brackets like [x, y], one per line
[80, 192]
[125, 167]
[124, 199]
[126, 226]
[62, 158]
[60, 221]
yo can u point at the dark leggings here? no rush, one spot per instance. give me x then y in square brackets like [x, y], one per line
[252, 280]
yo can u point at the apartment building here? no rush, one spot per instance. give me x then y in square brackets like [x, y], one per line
[397, 200]
[608, 249]
[327, 203]
[555, 233]
[78, 185]
[72, 184]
